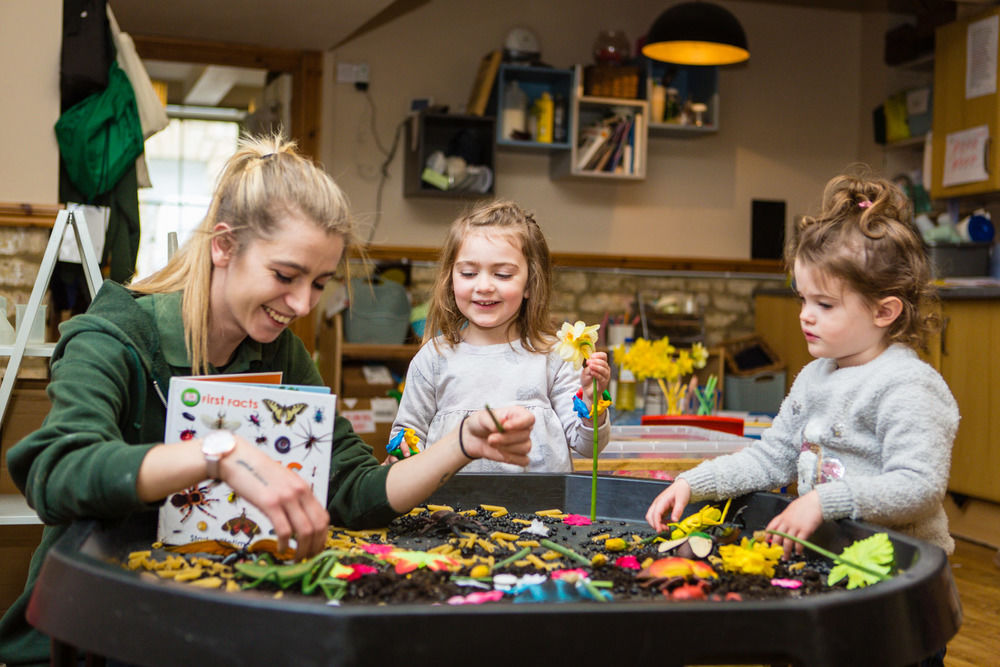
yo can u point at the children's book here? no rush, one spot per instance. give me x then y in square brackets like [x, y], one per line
[293, 425]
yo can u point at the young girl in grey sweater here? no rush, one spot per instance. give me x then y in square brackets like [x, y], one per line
[867, 428]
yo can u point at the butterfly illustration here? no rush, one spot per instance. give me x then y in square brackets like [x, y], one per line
[284, 413]
[220, 423]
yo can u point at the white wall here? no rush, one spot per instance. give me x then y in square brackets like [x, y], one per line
[789, 121]
[30, 38]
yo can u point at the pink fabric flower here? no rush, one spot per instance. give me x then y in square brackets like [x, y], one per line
[786, 583]
[479, 597]
[380, 550]
[359, 570]
[576, 520]
[628, 563]
[559, 574]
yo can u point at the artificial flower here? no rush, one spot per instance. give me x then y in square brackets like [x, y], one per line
[751, 557]
[628, 563]
[577, 342]
[786, 583]
[576, 520]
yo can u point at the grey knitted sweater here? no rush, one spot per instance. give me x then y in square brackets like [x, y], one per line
[873, 440]
[444, 384]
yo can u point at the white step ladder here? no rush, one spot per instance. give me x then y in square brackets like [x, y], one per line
[92, 273]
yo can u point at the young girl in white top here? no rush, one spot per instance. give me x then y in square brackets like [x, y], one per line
[867, 427]
[495, 344]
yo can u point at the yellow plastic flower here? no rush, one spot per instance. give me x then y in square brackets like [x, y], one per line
[751, 557]
[577, 341]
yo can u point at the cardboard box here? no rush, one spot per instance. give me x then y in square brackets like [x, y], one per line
[25, 413]
[371, 418]
[370, 381]
[750, 355]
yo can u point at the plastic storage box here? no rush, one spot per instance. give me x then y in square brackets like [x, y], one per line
[759, 392]
[671, 442]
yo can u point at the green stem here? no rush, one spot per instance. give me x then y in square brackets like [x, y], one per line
[832, 556]
[507, 561]
[593, 476]
[594, 593]
[565, 551]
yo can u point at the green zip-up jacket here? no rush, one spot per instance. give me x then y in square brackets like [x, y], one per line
[110, 374]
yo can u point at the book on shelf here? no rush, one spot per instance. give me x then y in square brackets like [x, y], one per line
[292, 424]
[623, 140]
[594, 137]
[483, 85]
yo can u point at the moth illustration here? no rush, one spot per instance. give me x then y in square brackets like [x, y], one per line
[241, 524]
[219, 422]
[284, 413]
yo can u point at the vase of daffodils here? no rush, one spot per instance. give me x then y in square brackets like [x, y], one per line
[669, 366]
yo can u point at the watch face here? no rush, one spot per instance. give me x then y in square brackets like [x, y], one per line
[218, 442]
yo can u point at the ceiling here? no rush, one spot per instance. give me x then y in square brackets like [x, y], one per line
[329, 23]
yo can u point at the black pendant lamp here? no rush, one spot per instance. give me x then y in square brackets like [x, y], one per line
[697, 33]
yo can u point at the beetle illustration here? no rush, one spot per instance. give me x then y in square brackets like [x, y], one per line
[188, 433]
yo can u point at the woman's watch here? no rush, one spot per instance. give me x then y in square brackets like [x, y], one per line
[215, 446]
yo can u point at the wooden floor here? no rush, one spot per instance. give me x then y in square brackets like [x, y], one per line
[978, 578]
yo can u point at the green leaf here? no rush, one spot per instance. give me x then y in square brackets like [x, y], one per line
[874, 554]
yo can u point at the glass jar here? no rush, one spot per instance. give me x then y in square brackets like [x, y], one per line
[611, 48]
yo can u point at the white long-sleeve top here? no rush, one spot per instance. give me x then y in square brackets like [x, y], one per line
[873, 440]
[445, 383]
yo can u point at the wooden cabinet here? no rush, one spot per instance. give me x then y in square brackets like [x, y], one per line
[970, 362]
[966, 354]
[955, 111]
[469, 137]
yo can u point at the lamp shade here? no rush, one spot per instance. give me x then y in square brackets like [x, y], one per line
[697, 33]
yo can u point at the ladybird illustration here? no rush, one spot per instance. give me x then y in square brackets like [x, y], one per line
[188, 433]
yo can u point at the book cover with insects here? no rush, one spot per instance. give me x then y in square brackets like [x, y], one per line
[294, 427]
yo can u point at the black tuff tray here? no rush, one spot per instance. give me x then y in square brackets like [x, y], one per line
[83, 598]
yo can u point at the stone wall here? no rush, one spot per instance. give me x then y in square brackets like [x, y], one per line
[725, 301]
[21, 250]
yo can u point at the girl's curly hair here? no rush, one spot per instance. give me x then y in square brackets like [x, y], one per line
[865, 236]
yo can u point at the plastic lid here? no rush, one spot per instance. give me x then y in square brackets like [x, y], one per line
[980, 228]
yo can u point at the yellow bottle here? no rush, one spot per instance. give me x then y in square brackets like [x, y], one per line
[543, 110]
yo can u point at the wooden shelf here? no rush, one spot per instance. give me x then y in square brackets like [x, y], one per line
[375, 351]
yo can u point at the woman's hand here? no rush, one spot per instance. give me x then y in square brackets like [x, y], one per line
[481, 437]
[800, 519]
[675, 497]
[284, 497]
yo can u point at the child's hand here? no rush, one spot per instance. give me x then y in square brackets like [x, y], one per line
[676, 496]
[801, 519]
[484, 440]
[597, 367]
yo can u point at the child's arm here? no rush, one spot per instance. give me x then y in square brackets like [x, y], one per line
[801, 519]
[412, 480]
[675, 497]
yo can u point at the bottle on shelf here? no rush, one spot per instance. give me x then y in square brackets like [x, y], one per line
[515, 103]
[559, 130]
[625, 394]
[543, 114]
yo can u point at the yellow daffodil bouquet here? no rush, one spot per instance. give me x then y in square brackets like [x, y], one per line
[666, 364]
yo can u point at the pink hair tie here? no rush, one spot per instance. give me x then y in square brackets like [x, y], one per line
[864, 204]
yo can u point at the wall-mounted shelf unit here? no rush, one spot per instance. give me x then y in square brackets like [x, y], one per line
[694, 85]
[609, 140]
[470, 137]
[533, 81]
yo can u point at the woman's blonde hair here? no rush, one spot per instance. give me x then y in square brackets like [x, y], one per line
[506, 218]
[865, 236]
[261, 184]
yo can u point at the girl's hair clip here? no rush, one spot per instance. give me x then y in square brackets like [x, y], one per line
[864, 204]
[264, 157]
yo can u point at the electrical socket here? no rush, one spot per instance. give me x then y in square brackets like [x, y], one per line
[352, 72]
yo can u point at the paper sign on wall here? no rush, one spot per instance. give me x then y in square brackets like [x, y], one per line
[965, 156]
[981, 57]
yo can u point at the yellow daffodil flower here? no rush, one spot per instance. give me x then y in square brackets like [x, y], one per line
[577, 341]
